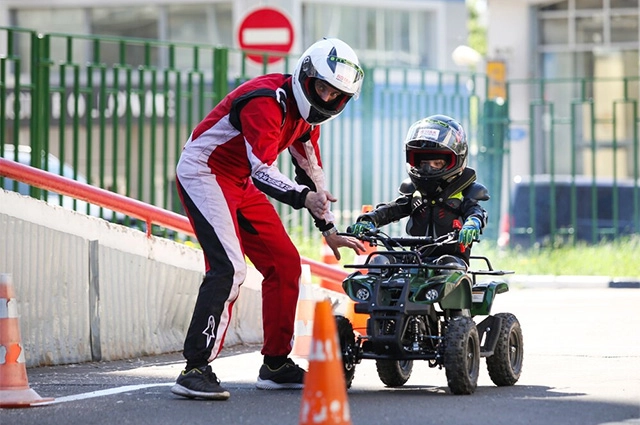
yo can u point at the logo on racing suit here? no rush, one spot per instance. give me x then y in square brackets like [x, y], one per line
[209, 330]
[264, 177]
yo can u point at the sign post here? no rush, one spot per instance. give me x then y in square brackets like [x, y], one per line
[267, 30]
[497, 73]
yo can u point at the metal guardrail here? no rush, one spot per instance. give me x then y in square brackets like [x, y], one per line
[132, 207]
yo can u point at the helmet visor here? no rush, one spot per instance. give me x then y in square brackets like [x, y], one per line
[428, 162]
[325, 99]
[347, 76]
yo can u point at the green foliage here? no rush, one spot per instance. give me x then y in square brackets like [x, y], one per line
[477, 32]
[612, 258]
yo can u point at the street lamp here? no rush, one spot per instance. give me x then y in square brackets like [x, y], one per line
[466, 56]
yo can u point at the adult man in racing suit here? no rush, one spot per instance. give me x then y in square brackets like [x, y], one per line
[224, 173]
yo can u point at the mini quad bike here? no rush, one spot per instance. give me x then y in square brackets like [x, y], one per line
[422, 308]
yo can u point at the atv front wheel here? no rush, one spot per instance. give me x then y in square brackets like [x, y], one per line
[394, 373]
[348, 348]
[505, 365]
[462, 355]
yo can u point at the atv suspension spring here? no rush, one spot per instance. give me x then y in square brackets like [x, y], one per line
[416, 335]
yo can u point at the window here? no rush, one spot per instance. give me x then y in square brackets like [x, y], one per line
[139, 22]
[588, 4]
[201, 23]
[578, 28]
[589, 30]
[52, 20]
[554, 31]
[70, 21]
[624, 28]
[618, 4]
[380, 36]
[561, 5]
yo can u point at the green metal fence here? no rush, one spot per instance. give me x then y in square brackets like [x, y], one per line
[118, 111]
[581, 179]
[105, 106]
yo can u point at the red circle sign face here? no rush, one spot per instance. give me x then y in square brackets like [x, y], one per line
[266, 30]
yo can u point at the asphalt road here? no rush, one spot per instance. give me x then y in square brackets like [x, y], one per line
[581, 366]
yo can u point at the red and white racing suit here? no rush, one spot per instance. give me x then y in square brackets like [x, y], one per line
[224, 174]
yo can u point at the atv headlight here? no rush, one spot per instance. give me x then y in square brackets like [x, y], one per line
[363, 294]
[431, 295]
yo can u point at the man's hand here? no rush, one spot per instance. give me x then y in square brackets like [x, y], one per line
[318, 203]
[336, 241]
[470, 231]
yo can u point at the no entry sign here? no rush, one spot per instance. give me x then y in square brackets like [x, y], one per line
[266, 30]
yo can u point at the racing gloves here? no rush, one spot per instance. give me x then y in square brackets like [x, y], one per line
[360, 227]
[470, 231]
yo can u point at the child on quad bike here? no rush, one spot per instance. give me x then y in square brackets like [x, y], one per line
[441, 192]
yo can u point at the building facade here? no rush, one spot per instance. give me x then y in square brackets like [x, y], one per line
[403, 32]
[581, 58]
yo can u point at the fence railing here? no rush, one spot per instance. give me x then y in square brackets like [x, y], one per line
[117, 112]
[581, 180]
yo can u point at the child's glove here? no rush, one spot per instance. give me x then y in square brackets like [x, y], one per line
[361, 227]
[470, 231]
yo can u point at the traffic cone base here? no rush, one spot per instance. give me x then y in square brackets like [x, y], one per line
[21, 398]
[324, 397]
[14, 385]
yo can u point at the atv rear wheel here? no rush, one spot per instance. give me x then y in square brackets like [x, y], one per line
[394, 373]
[462, 355]
[505, 365]
[348, 348]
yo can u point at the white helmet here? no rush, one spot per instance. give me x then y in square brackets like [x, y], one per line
[333, 61]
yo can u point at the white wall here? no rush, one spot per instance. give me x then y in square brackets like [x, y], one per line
[83, 284]
[508, 39]
[89, 290]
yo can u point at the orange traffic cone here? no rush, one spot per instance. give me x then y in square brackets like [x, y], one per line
[324, 397]
[303, 328]
[14, 385]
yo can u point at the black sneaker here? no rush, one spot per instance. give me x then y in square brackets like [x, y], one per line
[199, 382]
[286, 377]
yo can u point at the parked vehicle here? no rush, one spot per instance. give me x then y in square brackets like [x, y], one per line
[560, 208]
[423, 308]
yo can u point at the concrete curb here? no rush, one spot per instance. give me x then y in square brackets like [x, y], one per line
[585, 282]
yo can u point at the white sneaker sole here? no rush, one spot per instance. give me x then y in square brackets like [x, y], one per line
[186, 392]
[266, 384]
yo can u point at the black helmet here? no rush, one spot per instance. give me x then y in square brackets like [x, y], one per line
[432, 138]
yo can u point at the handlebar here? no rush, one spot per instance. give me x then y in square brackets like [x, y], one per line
[419, 248]
[376, 237]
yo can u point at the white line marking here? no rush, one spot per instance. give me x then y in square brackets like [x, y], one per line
[102, 393]
[262, 36]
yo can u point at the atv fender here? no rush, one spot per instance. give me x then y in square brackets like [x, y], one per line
[489, 332]
[483, 295]
[457, 296]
